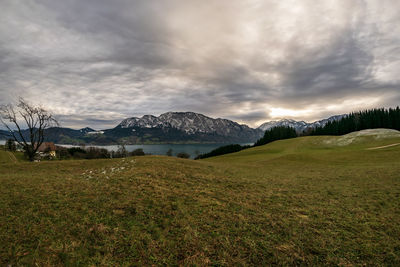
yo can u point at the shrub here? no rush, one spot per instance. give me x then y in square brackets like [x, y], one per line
[121, 152]
[137, 152]
[63, 153]
[183, 155]
[74, 150]
[97, 153]
[79, 155]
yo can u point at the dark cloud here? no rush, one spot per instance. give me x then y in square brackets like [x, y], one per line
[252, 116]
[96, 62]
[84, 120]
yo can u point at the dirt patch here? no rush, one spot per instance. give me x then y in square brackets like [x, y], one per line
[12, 157]
[379, 147]
[353, 137]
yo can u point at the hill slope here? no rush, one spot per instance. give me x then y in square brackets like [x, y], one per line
[356, 142]
[302, 201]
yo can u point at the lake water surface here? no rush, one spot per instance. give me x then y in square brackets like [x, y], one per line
[161, 149]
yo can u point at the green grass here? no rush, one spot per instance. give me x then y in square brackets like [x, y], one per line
[10, 157]
[292, 202]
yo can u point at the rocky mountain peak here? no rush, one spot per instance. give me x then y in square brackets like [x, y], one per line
[190, 123]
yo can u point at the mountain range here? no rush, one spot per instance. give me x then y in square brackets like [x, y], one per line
[300, 126]
[172, 127]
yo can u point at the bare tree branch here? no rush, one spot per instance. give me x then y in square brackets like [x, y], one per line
[37, 120]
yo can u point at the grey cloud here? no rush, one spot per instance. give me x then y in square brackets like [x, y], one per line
[251, 117]
[96, 62]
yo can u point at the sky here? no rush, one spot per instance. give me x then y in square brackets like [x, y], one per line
[96, 62]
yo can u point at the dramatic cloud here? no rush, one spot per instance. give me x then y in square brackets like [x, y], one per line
[95, 62]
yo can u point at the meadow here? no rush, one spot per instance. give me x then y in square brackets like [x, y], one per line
[303, 201]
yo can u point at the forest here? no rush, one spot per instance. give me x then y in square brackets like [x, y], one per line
[357, 121]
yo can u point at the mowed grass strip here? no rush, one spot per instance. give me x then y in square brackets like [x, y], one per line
[293, 202]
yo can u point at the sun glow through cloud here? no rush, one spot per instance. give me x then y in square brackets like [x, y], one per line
[280, 113]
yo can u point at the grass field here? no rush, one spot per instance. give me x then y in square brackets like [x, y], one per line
[304, 201]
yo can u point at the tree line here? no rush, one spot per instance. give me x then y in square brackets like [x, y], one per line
[276, 133]
[357, 121]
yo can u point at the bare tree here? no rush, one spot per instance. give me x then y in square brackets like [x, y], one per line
[36, 119]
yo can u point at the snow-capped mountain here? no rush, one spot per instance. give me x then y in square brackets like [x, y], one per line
[323, 122]
[193, 124]
[300, 126]
[147, 121]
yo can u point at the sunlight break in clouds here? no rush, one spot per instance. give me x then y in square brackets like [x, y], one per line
[96, 62]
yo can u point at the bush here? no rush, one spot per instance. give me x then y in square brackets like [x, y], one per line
[74, 150]
[137, 152]
[121, 152]
[183, 155]
[97, 153]
[83, 153]
[63, 153]
[79, 155]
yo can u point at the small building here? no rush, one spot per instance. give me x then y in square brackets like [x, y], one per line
[47, 148]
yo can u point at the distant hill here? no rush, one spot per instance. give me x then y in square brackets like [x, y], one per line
[61, 135]
[4, 134]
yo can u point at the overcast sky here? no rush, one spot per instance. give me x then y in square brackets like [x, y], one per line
[96, 62]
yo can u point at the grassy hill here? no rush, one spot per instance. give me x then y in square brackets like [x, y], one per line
[303, 201]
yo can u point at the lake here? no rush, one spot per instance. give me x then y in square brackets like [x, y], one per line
[161, 149]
